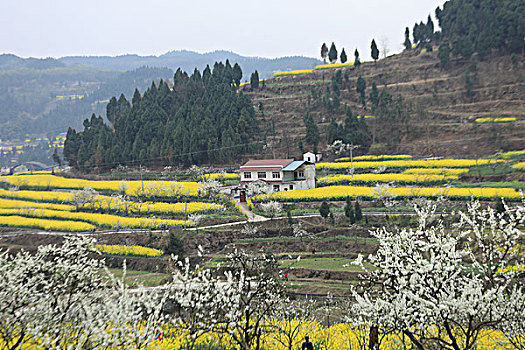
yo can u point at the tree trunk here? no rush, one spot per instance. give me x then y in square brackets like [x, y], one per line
[373, 342]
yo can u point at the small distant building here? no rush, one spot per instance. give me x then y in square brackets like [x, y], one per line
[280, 174]
[311, 157]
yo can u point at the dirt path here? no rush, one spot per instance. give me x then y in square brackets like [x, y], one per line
[252, 217]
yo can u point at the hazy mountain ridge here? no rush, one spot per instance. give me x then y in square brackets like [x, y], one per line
[189, 60]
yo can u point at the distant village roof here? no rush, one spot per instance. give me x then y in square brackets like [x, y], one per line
[255, 164]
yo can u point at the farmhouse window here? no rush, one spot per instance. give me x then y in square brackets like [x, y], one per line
[261, 174]
[276, 188]
[247, 175]
[276, 175]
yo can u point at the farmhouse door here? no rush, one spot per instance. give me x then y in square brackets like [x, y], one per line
[242, 197]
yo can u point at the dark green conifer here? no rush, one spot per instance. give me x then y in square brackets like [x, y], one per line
[343, 56]
[332, 54]
[374, 50]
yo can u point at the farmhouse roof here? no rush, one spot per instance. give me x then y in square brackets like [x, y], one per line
[254, 164]
[294, 165]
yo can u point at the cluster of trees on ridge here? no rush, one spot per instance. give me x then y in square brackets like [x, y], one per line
[467, 26]
[332, 54]
[473, 26]
[202, 118]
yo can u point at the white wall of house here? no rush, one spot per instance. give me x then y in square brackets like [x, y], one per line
[302, 178]
[261, 175]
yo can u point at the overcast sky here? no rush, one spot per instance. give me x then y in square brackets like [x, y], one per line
[267, 28]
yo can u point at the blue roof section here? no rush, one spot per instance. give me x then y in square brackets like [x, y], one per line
[294, 165]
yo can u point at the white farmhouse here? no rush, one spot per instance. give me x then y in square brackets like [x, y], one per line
[279, 174]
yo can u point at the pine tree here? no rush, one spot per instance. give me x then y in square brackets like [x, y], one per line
[429, 29]
[332, 54]
[444, 55]
[237, 74]
[361, 87]
[343, 56]
[358, 212]
[254, 80]
[407, 43]
[324, 52]
[324, 210]
[500, 208]
[56, 158]
[349, 211]
[175, 246]
[357, 61]
[312, 132]
[374, 97]
[375, 51]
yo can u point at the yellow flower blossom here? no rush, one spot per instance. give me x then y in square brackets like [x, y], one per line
[100, 220]
[128, 250]
[399, 178]
[495, 120]
[293, 72]
[434, 163]
[54, 225]
[341, 192]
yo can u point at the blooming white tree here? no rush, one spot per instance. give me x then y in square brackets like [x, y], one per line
[209, 187]
[86, 196]
[441, 288]
[271, 208]
[59, 297]
[123, 187]
[290, 319]
[249, 231]
[384, 194]
[39, 291]
[195, 219]
[256, 188]
[202, 301]
[299, 231]
[256, 281]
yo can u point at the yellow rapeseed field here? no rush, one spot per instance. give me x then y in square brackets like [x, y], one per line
[399, 178]
[40, 196]
[495, 120]
[128, 250]
[54, 225]
[293, 72]
[339, 336]
[439, 171]
[10, 203]
[334, 65]
[100, 220]
[434, 163]
[107, 203]
[372, 157]
[508, 155]
[519, 166]
[341, 192]
[222, 176]
[164, 188]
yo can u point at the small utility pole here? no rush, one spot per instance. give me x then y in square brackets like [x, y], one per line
[141, 179]
[352, 147]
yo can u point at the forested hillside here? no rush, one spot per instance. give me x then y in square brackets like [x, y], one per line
[42, 97]
[454, 91]
[46, 101]
[201, 119]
